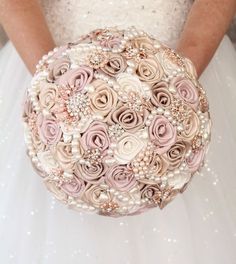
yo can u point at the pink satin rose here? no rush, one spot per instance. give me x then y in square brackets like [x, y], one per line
[195, 160]
[162, 133]
[96, 136]
[74, 188]
[49, 130]
[121, 178]
[186, 90]
[57, 68]
[76, 78]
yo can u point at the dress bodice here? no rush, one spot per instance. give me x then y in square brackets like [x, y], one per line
[68, 19]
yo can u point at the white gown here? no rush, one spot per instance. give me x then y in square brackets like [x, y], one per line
[197, 227]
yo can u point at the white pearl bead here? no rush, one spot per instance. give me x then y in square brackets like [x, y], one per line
[148, 122]
[167, 113]
[179, 128]
[160, 110]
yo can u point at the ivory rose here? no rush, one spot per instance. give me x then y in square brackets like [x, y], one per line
[128, 146]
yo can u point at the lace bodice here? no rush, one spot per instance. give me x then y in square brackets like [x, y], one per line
[68, 19]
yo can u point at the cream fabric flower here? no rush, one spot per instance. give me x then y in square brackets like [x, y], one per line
[128, 146]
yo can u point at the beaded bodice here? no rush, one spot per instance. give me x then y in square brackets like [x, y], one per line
[69, 19]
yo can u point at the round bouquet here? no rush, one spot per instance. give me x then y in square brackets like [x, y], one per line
[116, 123]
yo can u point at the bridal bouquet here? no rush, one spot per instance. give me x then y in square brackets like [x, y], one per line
[116, 123]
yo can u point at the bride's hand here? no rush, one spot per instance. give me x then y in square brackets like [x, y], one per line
[204, 29]
[26, 27]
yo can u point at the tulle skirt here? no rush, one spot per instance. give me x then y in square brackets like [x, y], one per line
[197, 227]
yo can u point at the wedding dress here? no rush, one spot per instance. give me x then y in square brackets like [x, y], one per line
[197, 227]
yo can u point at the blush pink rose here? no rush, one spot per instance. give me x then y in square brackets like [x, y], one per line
[195, 160]
[58, 68]
[49, 130]
[186, 90]
[121, 178]
[96, 136]
[76, 78]
[74, 188]
[162, 133]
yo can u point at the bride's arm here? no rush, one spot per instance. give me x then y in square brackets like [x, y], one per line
[25, 26]
[205, 27]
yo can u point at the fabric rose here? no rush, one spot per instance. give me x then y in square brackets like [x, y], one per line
[128, 118]
[156, 166]
[149, 70]
[169, 60]
[53, 187]
[195, 160]
[49, 130]
[128, 146]
[103, 99]
[191, 126]
[76, 78]
[74, 187]
[92, 173]
[131, 84]
[160, 95]
[96, 195]
[178, 181]
[47, 160]
[143, 43]
[96, 136]
[57, 68]
[64, 156]
[120, 178]
[48, 95]
[186, 90]
[115, 65]
[157, 195]
[37, 142]
[162, 133]
[151, 192]
[176, 154]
